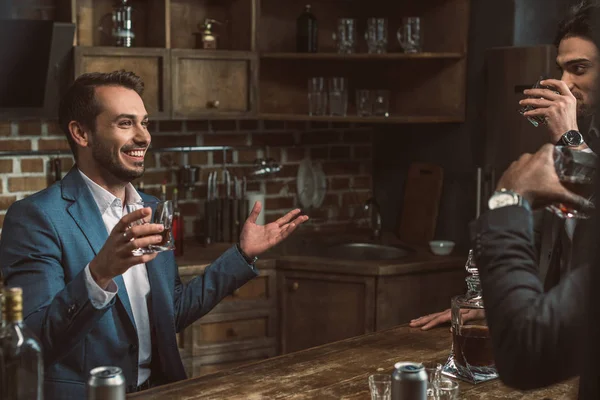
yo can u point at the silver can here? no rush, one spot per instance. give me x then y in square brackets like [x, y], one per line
[106, 383]
[409, 381]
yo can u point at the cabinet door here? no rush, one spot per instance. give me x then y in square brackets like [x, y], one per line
[323, 308]
[152, 65]
[213, 83]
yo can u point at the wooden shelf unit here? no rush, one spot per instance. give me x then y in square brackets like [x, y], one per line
[425, 87]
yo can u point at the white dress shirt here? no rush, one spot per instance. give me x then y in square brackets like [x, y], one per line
[136, 277]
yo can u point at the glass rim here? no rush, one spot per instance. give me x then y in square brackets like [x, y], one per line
[380, 377]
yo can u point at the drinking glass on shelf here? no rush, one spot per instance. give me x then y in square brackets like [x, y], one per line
[380, 386]
[364, 103]
[377, 35]
[446, 389]
[317, 96]
[338, 96]
[345, 36]
[576, 170]
[409, 35]
[162, 213]
[381, 102]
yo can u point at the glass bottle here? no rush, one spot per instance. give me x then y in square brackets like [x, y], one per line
[471, 357]
[23, 375]
[306, 32]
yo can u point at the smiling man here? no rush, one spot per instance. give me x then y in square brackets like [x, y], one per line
[90, 301]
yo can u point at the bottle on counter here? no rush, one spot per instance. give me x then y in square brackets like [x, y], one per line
[307, 32]
[177, 224]
[163, 191]
[20, 353]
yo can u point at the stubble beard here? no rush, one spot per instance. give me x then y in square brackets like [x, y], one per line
[110, 162]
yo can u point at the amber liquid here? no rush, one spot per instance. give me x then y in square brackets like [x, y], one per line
[473, 346]
[584, 189]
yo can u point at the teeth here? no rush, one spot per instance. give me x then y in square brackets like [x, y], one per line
[136, 153]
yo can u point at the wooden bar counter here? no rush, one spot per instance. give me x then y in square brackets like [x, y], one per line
[339, 371]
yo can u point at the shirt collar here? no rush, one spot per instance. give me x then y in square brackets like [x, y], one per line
[104, 199]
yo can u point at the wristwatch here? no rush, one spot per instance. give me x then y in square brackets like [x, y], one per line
[504, 198]
[249, 260]
[571, 138]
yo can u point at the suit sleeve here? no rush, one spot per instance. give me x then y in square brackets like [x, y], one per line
[59, 314]
[197, 297]
[536, 336]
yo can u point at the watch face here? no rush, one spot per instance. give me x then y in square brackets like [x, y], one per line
[573, 138]
[501, 200]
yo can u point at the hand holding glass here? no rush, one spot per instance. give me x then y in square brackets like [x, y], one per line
[162, 213]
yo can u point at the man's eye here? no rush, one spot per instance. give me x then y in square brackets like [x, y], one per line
[145, 123]
[579, 69]
[125, 123]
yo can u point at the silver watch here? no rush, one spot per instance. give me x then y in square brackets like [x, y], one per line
[505, 198]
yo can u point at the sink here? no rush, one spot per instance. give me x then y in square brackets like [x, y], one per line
[365, 252]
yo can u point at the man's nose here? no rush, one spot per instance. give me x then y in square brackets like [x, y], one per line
[567, 78]
[142, 136]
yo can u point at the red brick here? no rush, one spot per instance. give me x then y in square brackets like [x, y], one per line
[6, 165]
[319, 153]
[191, 209]
[355, 198]
[170, 126]
[168, 160]
[288, 171]
[331, 200]
[53, 128]
[30, 128]
[32, 165]
[152, 126]
[295, 125]
[248, 124]
[220, 156]
[339, 183]
[6, 201]
[197, 126]
[322, 137]
[150, 159]
[158, 177]
[198, 158]
[53, 144]
[247, 156]
[66, 163]
[367, 168]
[339, 152]
[295, 154]
[277, 187]
[199, 192]
[161, 141]
[27, 184]
[361, 152]
[357, 136]
[273, 139]
[5, 128]
[238, 139]
[341, 168]
[362, 182]
[11, 145]
[274, 125]
[253, 186]
[224, 125]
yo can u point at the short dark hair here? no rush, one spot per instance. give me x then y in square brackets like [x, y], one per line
[79, 102]
[579, 22]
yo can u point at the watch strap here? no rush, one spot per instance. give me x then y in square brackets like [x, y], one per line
[249, 260]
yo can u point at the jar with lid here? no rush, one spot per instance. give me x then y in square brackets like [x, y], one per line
[471, 358]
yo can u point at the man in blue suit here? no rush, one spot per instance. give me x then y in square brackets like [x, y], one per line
[90, 301]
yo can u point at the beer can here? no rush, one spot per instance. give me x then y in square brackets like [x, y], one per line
[409, 381]
[106, 383]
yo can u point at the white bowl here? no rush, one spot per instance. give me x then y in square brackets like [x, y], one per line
[441, 247]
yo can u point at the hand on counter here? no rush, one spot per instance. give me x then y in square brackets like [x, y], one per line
[427, 322]
[256, 239]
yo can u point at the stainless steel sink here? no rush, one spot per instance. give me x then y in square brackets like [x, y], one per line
[365, 252]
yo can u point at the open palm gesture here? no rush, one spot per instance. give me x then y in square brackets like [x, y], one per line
[256, 239]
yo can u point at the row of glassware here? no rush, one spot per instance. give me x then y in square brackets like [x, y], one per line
[332, 99]
[376, 35]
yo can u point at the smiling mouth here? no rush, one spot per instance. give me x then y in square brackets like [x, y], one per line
[135, 154]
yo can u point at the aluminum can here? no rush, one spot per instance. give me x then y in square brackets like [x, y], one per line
[409, 381]
[106, 383]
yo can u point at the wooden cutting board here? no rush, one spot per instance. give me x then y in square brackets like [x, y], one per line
[422, 193]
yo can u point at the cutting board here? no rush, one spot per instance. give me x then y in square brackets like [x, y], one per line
[422, 193]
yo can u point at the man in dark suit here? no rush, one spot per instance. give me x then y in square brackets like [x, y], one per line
[538, 337]
[87, 297]
[561, 244]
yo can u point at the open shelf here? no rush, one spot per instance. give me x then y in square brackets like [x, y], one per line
[361, 56]
[400, 119]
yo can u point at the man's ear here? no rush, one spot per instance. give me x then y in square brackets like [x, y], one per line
[79, 134]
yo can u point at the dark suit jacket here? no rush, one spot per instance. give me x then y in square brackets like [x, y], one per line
[537, 337]
[47, 240]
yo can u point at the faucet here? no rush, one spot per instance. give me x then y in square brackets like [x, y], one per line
[371, 208]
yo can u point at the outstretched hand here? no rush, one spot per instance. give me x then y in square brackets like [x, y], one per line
[256, 239]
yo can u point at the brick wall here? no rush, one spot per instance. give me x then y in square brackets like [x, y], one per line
[343, 149]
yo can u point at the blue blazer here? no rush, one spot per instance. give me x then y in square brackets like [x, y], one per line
[47, 240]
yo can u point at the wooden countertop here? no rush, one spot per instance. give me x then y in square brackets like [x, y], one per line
[340, 370]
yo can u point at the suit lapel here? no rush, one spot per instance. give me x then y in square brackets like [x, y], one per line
[86, 215]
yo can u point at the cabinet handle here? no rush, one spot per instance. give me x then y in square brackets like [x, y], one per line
[213, 104]
[295, 286]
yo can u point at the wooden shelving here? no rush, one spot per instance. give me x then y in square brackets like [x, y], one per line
[361, 56]
[400, 119]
